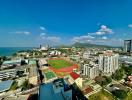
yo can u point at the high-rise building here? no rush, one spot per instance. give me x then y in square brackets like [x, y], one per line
[91, 71]
[56, 90]
[108, 62]
[128, 45]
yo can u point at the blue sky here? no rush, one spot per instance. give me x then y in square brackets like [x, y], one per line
[32, 22]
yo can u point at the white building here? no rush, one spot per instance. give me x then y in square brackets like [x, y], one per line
[86, 55]
[44, 48]
[55, 53]
[5, 74]
[91, 70]
[75, 57]
[10, 63]
[108, 62]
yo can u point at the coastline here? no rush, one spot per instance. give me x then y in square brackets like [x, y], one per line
[9, 51]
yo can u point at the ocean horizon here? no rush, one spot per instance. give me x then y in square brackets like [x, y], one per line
[9, 51]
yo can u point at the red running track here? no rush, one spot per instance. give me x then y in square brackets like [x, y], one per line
[67, 69]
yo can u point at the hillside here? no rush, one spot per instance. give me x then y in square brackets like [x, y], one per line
[87, 45]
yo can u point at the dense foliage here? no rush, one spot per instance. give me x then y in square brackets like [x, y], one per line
[121, 94]
[14, 85]
[26, 85]
[103, 80]
[118, 75]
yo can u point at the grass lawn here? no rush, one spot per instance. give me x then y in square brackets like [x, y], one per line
[59, 63]
[102, 95]
[129, 96]
[49, 75]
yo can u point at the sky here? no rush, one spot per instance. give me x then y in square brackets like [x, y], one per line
[29, 23]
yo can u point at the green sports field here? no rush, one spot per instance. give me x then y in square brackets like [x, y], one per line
[49, 75]
[59, 63]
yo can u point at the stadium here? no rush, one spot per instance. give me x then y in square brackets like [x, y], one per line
[61, 66]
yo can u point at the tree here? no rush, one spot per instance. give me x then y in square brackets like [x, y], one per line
[14, 85]
[26, 85]
[108, 79]
[128, 70]
[103, 80]
[4, 58]
[121, 94]
[118, 75]
[20, 73]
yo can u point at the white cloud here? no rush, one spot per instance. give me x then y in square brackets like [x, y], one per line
[43, 37]
[48, 39]
[42, 28]
[98, 40]
[130, 25]
[53, 39]
[84, 38]
[104, 38]
[26, 32]
[22, 32]
[100, 33]
[42, 34]
[104, 30]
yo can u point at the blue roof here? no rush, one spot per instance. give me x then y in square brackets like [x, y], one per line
[32, 62]
[126, 59]
[5, 85]
[47, 92]
[12, 61]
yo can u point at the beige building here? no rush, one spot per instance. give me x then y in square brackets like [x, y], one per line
[33, 73]
[91, 70]
[108, 62]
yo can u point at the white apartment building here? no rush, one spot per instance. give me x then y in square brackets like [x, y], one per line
[54, 53]
[91, 71]
[5, 74]
[86, 54]
[108, 62]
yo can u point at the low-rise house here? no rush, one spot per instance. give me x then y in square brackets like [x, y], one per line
[90, 87]
[6, 74]
[88, 91]
[10, 63]
[75, 57]
[86, 54]
[43, 63]
[75, 78]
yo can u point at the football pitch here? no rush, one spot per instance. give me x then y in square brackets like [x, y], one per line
[49, 75]
[59, 63]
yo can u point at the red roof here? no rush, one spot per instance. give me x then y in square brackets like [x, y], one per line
[87, 90]
[74, 75]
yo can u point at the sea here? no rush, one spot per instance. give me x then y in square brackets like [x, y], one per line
[9, 51]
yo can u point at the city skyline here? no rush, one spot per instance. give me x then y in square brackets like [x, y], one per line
[29, 23]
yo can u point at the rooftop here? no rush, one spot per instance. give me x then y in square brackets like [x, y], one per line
[74, 75]
[87, 90]
[54, 90]
[5, 85]
[11, 61]
[32, 62]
